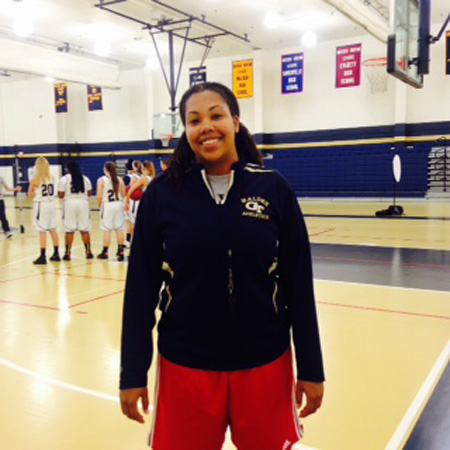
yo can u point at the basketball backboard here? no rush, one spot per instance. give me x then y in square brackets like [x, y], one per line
[409, 41]
[167, 124]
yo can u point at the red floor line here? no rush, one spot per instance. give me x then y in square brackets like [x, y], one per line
[94, 278]
[391, 311]
[21, 278]
[60, 272]
[322, 232]
[372, 261]
[96, 299]
[51, 308]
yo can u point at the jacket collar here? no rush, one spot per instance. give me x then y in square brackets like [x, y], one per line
[238, 166]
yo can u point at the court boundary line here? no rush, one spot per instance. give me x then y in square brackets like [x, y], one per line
[412, 414]
[384, 310]
[381, 262]
[56, 309]
[382, 285]
[89, 392]
[54, 382]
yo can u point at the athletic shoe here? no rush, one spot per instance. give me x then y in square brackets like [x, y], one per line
[120, 257]
[8, 234]
[40, 260]
[127, 244]
[89, 255]
[102, 256]
[55, 257]
[66, 257]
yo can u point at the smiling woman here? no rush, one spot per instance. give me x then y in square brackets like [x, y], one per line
[236, 281]
[210, 131]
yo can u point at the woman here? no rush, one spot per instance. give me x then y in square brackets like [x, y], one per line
[110, 193]
[142, 183]
[237, 278]
[75, 188]
[3, 219]
[133, 205]
[43, 190]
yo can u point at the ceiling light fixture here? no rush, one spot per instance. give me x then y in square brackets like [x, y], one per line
[272, 19]
[102, 49]
[152, 64]
[23, 28]
[309, 38]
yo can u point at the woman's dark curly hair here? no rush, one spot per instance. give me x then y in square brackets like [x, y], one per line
[183, 158]
[77, 177]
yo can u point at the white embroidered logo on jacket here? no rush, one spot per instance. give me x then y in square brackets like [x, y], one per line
[254, 207]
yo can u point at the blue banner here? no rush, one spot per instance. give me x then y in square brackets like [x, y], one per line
[197, 75]
[60, 97]
[94, 94]
[292, 73]
[447, 54]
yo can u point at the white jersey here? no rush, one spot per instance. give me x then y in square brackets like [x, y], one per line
[65, 185]
[149, 178]
[46, 191]
[76, 212]
[108, 191]
[134, 178]
[134, 204]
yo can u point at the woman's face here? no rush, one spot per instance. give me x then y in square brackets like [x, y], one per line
[211, 130]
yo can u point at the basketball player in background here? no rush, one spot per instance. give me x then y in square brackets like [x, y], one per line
[43, 191]
[75, 189]
[110, 193]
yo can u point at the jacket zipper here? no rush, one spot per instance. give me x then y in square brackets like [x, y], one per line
[272, 269]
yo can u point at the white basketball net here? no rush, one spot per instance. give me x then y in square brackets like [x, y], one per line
[165, 139]
[375, 70]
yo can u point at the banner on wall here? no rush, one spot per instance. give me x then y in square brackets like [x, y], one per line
[60, 97]
[348, 65]
[95, 101]
[447, 53]
[292, 73]
[243, 78]
[197, 75]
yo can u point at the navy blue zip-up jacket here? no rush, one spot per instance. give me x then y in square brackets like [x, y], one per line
[232, 277]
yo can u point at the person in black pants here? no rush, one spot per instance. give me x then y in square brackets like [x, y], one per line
[3, 219]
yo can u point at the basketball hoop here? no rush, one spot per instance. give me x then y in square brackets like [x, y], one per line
[375, 70]
[165, 139]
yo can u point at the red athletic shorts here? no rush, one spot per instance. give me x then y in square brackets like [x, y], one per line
[193, 408]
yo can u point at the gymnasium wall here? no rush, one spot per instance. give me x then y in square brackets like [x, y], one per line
[326, 141]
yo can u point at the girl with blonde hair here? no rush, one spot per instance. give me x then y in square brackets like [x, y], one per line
[43, 190]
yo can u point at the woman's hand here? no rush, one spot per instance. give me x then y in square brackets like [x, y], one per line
[129, 399]
[314, 396]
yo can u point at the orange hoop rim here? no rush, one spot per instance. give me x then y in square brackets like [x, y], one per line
[165, 139]
[375, 62]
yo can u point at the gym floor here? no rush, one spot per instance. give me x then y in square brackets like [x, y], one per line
[383, 299]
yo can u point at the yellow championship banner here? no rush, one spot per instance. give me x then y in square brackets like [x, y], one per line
[60, 97]
[94, 94]
[243, 78]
